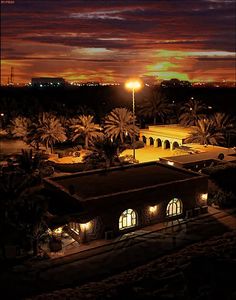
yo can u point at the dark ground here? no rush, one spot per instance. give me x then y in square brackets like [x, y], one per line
[199, 272]
[171, 268]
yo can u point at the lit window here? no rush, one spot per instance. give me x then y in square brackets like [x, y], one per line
[127, 219]
[174, 208]
[204, 197]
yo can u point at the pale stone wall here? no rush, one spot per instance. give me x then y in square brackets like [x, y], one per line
[165, 136]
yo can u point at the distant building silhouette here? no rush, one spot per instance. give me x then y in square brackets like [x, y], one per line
[48, 82]
[172, 83]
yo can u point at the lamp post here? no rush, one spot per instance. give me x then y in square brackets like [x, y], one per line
[133, 85]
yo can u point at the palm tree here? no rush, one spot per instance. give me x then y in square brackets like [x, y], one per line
[192, 111]
[119, 124]
[205, 133]
[155, 106]
[87, 128]
[50, 130]
[20, 126]
[33, 137]
[106, 150]
[32, 220]
[18, 215]
[28, 162]
[225, 124]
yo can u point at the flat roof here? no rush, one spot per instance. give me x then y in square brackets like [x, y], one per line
[120, 179]
[175, 130]
[197, 157]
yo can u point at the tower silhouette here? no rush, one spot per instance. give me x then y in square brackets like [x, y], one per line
[12, 76]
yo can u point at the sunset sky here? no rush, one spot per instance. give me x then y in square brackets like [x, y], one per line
[114, 40]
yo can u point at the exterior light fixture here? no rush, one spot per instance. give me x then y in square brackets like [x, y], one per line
[153, 209]
[133, 85]
[85, 226]
[204, 197]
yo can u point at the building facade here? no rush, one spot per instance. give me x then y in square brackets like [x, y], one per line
[165, 136]
[104, 204]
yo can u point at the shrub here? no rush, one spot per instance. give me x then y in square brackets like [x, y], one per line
[223, 175]
[137, 145]
[129, 159]
[222, 199]
[69, 168]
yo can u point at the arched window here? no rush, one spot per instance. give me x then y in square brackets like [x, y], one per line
[174, 208]
[127, 219]
[166, 144]
[175, 145]
[159, 143]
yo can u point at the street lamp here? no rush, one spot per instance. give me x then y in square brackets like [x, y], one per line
[133, 85]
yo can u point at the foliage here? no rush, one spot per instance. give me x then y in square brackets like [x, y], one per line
[129, 159]
[50, 130]
[31, 220]
[205, 133]
[223, 175]
[87, 128]
[68, 168]
[103, 150]
[155, 106]
[225, 124]
[33, 137]
[3, 133]
[192, 112]
[137, 145]
[119, 124]
[27, 162]
[222, 199]
[22, 208]
[20, 126]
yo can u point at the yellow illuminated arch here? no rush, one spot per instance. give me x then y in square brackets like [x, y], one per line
[127, 219]
[174, 208]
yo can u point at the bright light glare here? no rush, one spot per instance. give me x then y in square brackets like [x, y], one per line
[85, 226]
[136, 85]
[153, 209]
[204, 196]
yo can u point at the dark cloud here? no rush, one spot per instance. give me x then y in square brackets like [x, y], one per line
[60, 27]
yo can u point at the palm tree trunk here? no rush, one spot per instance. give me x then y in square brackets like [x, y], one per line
[51, 148]
[46, 145]
[108, 163]
[86, 142]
